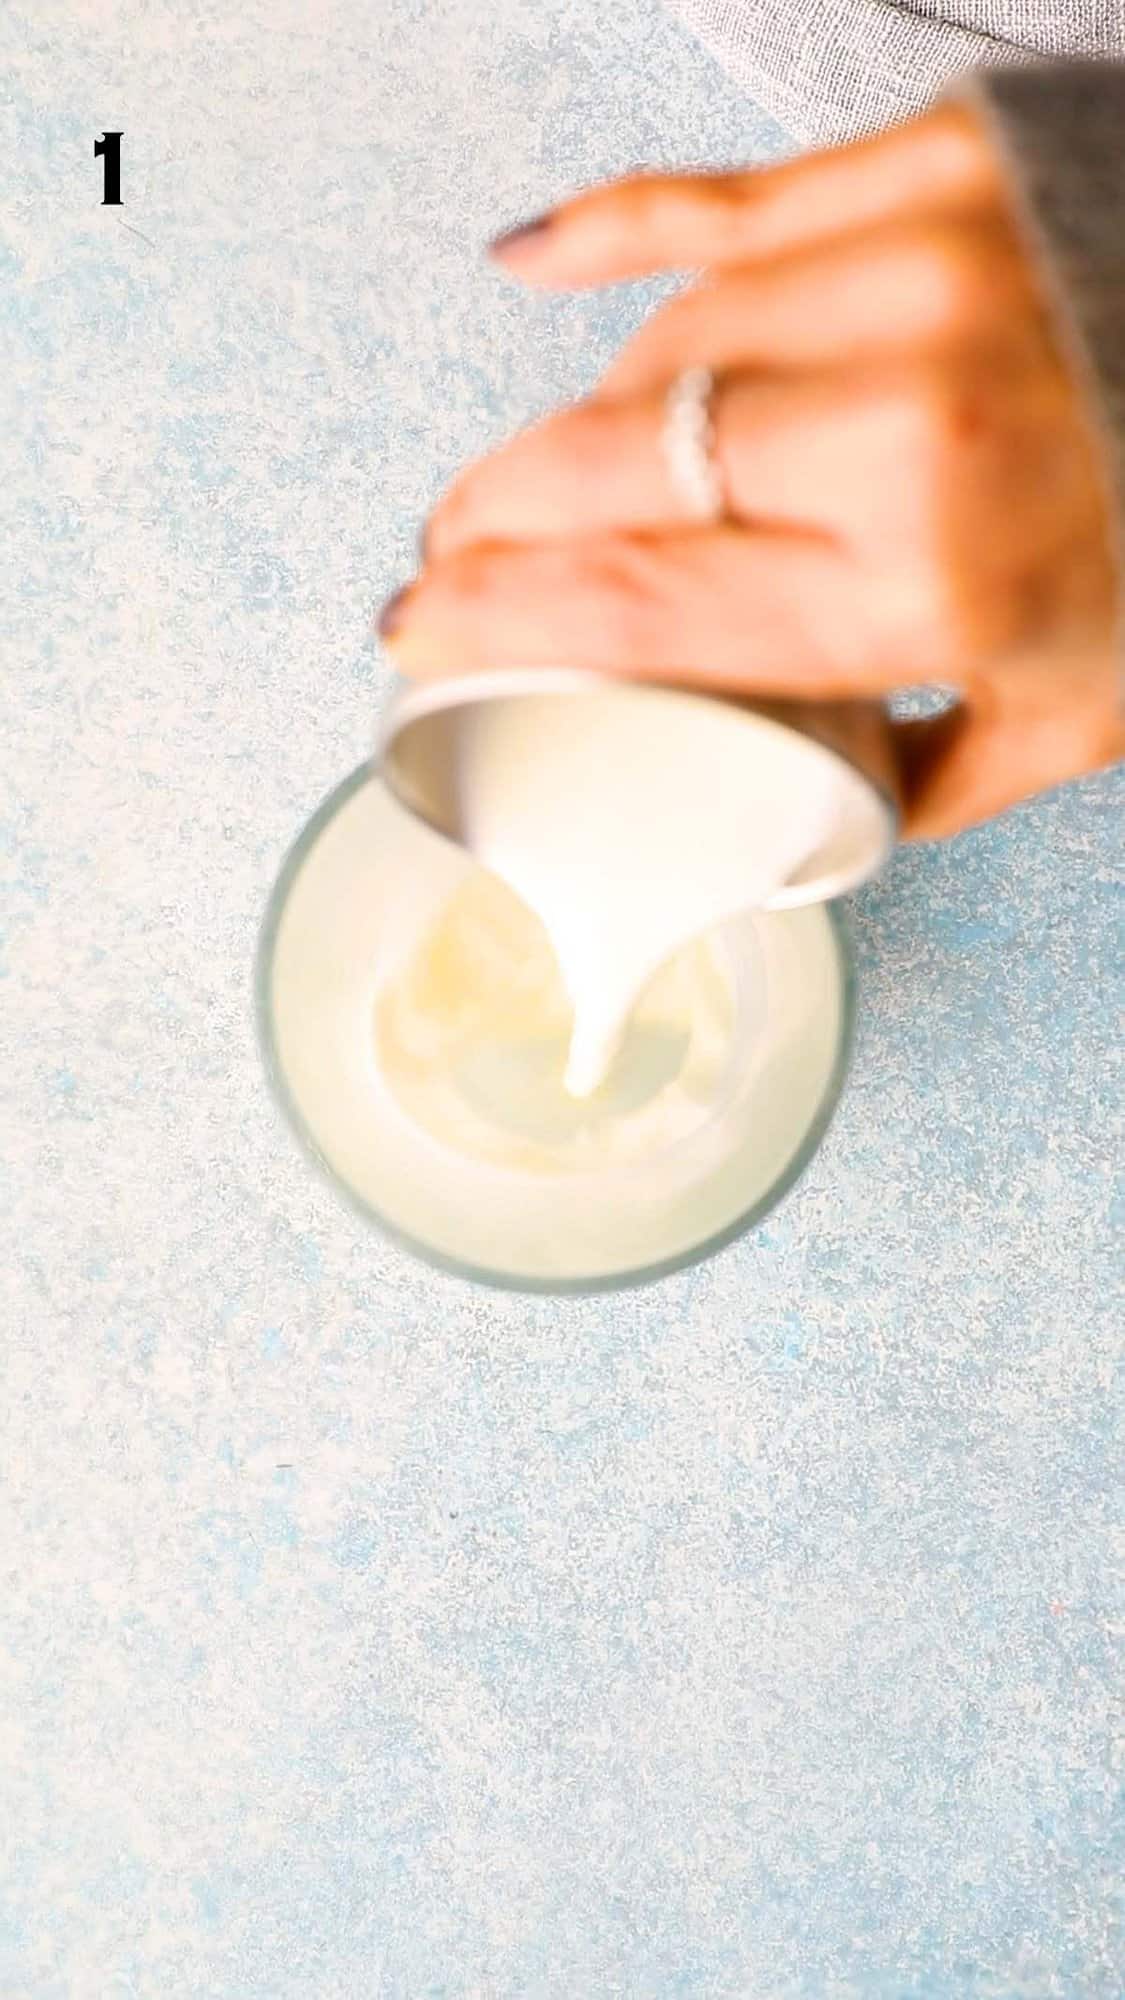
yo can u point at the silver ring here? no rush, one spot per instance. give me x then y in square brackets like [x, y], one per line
[688, 441]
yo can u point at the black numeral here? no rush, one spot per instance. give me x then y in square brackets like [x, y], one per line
[108, 150]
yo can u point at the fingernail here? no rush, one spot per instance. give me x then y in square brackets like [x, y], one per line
[390, 617]
[514, 239]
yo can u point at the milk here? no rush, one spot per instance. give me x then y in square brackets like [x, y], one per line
[416, 1029]
[471, 1032]
[630, 826]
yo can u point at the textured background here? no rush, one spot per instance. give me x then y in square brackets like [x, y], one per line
[368, 1637]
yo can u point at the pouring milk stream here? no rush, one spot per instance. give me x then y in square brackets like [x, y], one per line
[536, 861]
[630, 821]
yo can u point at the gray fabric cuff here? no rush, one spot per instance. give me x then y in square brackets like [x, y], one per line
[834, 70]
[1060, 128]
[830, 70]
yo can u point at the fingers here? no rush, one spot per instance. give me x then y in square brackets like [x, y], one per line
[962, 767]
[596, 467]
[901, 288]
[718, 607]
[977, 760]
[601, 468]
[685, 221]
[792, 452]
[926, 751]
[882, 458]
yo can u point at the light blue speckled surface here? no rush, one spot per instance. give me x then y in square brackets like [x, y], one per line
[368, 1637]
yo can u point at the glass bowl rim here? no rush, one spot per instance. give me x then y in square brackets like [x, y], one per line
[620, 1281]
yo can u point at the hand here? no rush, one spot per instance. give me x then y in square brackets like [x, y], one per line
[913, 491]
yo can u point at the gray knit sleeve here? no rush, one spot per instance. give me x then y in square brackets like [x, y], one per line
[1060, 128]
[832, 69]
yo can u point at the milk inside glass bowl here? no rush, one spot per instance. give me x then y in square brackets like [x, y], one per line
[551, 989]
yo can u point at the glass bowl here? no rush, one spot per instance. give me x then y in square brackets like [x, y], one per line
[353, 898]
